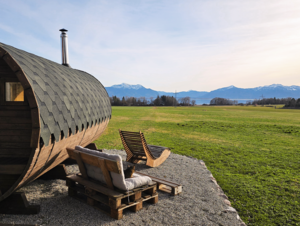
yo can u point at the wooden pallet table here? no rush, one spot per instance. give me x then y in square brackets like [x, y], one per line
[164, 185]
[111, 202]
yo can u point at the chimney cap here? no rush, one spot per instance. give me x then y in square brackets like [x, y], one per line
[63, 30]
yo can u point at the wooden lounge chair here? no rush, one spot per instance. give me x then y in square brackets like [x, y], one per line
[99, 185]
[137, 149]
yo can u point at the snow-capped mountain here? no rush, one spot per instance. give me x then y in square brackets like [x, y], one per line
[127, 86]
[228, 87]
[230, 92]
[278, 86]
[127, 90]
[270, 91]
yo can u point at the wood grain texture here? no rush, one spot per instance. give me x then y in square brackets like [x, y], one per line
[5, 70]
[20, 152]
[2, 52]
[12, 169]
[15, 129]
[80, 164]
[109, 201]
[48, 159]
[112, 166]
[105, 172]
[165, 185]
[18, 204]
[23, 79]
[24, 119]
[19, 138]
[11, 63]
[136, 147]
[31, 98]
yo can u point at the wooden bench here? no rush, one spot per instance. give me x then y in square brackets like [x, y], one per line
[165, 185]
[105, 196]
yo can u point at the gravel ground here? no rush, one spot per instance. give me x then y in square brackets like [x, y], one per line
[202, 201]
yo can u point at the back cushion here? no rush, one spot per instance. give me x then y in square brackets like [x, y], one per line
[118, 180]
[94, 172]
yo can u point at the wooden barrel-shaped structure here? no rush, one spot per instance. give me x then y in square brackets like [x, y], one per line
[45, 107]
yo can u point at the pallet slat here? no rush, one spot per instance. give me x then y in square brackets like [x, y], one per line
[96, 187]
[103, 201]
[164, 185]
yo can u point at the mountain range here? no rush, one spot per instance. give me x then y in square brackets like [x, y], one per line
[230, 92]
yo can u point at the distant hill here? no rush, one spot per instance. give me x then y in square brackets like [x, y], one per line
[126, 90]
[275, 90]
[230, 92]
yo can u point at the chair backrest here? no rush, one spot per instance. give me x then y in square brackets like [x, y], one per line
[132, 141]
[87, 159]
[145, 146]
[135, 142]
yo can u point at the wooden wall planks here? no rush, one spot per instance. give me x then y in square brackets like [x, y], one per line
[15, 130]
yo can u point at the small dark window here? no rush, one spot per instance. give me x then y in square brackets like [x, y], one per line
[14, 91]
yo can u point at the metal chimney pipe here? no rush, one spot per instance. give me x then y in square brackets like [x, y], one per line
[64, 47]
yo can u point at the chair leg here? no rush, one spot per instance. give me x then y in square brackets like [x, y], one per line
[135, 161]
[128, 159]
[132, 160]
[116, 213]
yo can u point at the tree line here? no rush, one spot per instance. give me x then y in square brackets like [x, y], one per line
[186, 101]
[222, 101]
[293, 103]
[158, 101]
[271, 101]
[288, 102]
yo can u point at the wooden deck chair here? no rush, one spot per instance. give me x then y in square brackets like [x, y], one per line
[137, 149]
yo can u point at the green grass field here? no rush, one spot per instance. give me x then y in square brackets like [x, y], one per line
[253, 152]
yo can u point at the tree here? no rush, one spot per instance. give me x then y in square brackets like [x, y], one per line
[163, 99]
[221, 101]
[185, 101]
[157, 101]
[124, 103]
[115, 101]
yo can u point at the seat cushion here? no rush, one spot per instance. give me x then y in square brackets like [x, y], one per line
[118, 180]
[136, 181]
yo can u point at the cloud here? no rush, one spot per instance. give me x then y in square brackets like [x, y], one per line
[165, 45]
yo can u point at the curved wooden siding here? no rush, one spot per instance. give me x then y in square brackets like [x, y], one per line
[52, 155]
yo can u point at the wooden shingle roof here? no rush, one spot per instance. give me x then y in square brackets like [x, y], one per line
[67, 98]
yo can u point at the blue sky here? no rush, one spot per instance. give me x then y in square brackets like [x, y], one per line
[164, 45]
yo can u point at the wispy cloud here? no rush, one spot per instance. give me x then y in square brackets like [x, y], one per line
[165, 45]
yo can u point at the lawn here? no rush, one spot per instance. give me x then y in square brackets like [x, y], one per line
[253, 152]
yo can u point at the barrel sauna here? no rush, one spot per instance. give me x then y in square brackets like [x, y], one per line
[45, 107]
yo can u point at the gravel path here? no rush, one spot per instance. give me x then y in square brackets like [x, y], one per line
[202, 201]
